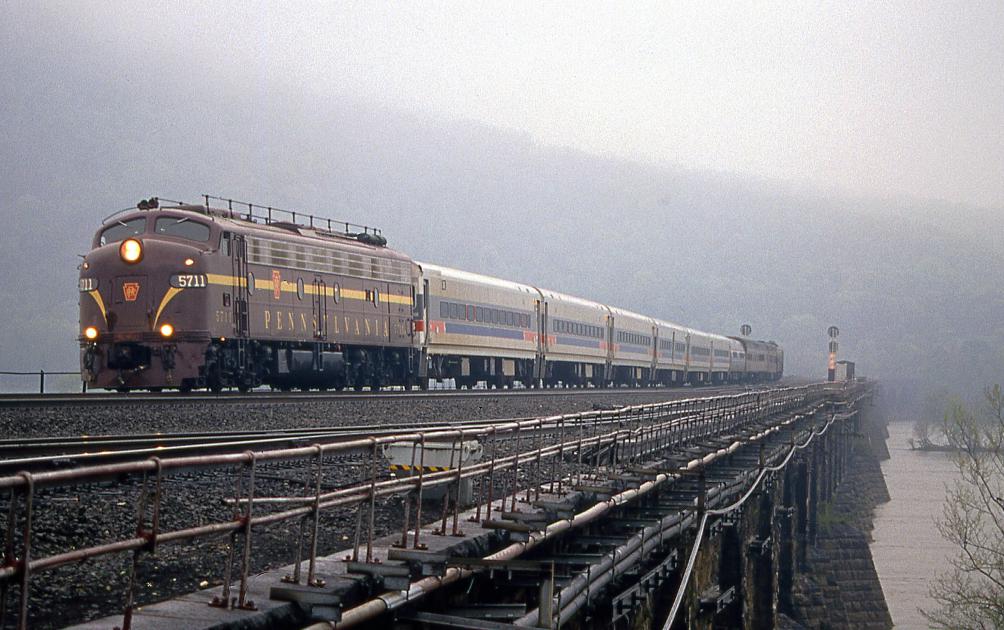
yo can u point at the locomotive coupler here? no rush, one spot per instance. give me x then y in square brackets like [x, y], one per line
[167, 356]
[89, 357]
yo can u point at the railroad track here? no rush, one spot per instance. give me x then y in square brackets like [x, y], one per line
[115, 398]
[61, 452]
[38, 454]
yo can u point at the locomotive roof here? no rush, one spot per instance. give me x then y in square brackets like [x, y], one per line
[262, 219]
[284, 230]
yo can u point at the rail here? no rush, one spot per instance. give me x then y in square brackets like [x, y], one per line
[38, 454]
[435, 388]
[519, 457]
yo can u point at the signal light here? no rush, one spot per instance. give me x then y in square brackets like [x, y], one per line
[131, 250]
[91, 333]
[166, 330]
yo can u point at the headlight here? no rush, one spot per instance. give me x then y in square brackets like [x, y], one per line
[166, 330]
[91, 333]
[189, 262]
[131, 250]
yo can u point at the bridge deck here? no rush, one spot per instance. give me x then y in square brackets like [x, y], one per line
[193, 612]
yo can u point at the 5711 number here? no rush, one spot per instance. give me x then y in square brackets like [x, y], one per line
[188, 281]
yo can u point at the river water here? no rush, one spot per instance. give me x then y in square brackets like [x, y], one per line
[908, 549]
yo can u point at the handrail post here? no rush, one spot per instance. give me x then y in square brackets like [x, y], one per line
[491, 479]
[312, 580]
[417, 544]
[29, 494]
[242, 601]
[407, 501]
[458, 483]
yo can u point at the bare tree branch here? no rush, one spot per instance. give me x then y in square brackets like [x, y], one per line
[971, 594]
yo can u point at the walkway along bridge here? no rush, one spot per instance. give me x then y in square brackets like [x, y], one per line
[692, 513]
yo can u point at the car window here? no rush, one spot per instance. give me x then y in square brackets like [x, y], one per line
[121, 230]
[182, 227]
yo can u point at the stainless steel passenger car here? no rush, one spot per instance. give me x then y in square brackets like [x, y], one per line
[632, 341]
[576, 345]
[671, 353]
[479, 328]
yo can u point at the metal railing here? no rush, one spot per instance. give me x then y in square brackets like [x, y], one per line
[520, 457]
[270, 214]
[42, 374]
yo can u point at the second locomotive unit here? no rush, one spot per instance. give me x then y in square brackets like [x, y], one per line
[188, 296]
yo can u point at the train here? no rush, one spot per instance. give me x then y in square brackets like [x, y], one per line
[227, 294]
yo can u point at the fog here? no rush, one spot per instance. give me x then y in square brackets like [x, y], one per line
[786, 168]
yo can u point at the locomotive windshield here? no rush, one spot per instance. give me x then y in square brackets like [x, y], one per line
[122, 230]
[182, 227]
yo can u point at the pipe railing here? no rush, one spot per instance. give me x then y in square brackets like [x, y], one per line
[774, 402]
[520, 455]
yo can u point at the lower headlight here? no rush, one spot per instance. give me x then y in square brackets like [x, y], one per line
[166, 330]
[91, 333]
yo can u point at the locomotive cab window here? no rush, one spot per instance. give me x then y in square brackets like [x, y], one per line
[122, 230]
[299, 288]
[182, 227]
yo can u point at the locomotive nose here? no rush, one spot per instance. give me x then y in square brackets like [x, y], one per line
[129, 281]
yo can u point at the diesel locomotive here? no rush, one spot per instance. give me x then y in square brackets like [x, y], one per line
[185, 296]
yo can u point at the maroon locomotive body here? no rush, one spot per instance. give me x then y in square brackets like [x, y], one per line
[188, 296]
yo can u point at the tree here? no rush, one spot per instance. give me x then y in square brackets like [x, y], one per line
[927, 430]
[971, 592]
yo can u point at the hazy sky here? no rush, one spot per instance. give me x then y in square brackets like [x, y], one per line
[890, 98]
